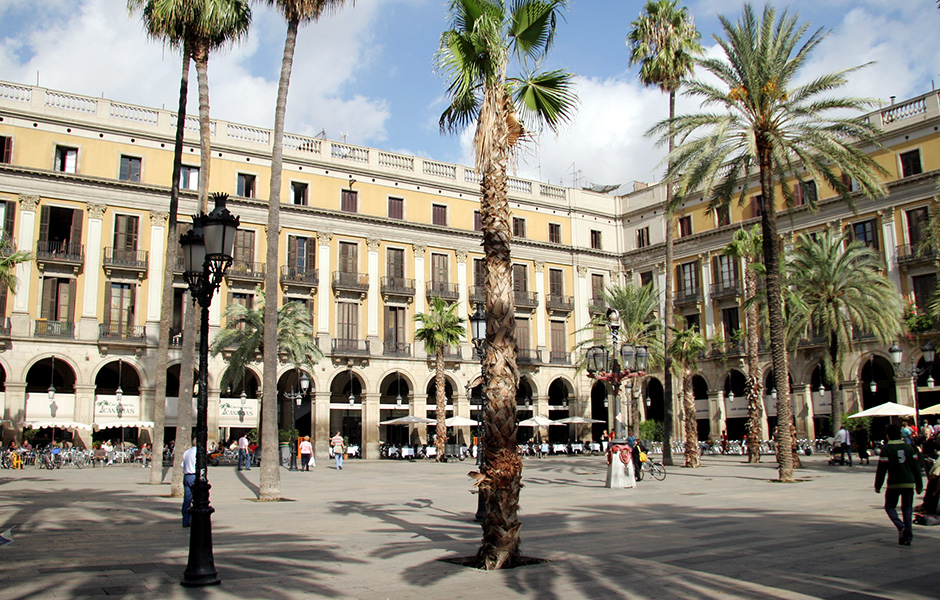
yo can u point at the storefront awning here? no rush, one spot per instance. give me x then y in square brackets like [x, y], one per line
[116, 424]
[59, 424]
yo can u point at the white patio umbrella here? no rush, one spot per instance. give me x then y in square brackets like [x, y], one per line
[459, 421]
[537, 421]
[888, 409]
[931, 410]
[409, 420]
[577, 421]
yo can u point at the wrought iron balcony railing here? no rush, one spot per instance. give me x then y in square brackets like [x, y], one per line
[559, 302]
[349, 347]
[55, 251]
[300, 276]
[350, 282]
[57, 329]
[398, 286]
[126, 259]
[443, 290]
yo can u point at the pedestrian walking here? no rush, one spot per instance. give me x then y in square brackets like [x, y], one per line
[843, 441]
[244, 460]
[306, 449]
[338, 446]
[900, 463]
[862, 444]
[189, 478]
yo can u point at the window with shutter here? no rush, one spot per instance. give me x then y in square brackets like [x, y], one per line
[523, 341]
[6, 150]
[298, 193]
[518, 227]
[477, 221]
[189, 178]
[866, 232]
[910, 163]
[554, 233]
[646, 278]
[347, 321]
[125, 233]
[348, 257]
[245, 185]
[395, 262]
[119, 316]
[130, 168]
[520, 281]
[439, 270]
[479, 272]
[395, 327]
[642, 237]
[597, 286]
[685, 226]
[396, 208]
[349, 201]
[595, 239]
[757, 205]
[439, 215]
[723, 215]
[9, 220]
[917, 226]
[66, 159]
[556, 282]
[559, 338]
[244, 249]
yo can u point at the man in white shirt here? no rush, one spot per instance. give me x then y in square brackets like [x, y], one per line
[243, 457]
[843, 443]
[189, 478]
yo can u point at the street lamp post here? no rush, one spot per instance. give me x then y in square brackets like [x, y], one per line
[913, 371]
[295, 397]
[478, 331]
[207, 253]
[625, 362]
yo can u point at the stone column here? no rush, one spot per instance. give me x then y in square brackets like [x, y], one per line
[661, 285]
[370, 430]
[541, 315]
[889, 233]
[88, 323]
[372, 304]
[324, 296]
[20, 321]
[716, 413]
[420, 291]
[147, 395]
[708, 308]
[419, 408]
[463, 294]
[321, 423]
[14, 411]
[809, 426]
[851, 398]
[84, 411]
[155, 265]
[582, 296]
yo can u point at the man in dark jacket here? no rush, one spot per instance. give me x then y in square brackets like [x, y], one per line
[899, 461]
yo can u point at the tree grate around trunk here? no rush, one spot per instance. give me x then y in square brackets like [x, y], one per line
[474, 562]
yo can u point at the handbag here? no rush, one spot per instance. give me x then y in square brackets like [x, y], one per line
[642, 456]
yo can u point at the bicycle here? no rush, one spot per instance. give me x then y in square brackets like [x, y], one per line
[657, 470]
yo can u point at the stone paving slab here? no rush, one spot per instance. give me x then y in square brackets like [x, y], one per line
[379, 529]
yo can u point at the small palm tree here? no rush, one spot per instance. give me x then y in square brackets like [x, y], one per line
[10, 257]
[841, 289]
[441, 328]
[196, 27]
[475, 54]
[664, 42]
[687, 345]
[766, 123]
[244, 335]
[296, 12]
[746, 245]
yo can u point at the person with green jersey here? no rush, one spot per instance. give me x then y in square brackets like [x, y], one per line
[901, 464]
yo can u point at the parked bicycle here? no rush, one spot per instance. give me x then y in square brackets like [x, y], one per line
[656, 469]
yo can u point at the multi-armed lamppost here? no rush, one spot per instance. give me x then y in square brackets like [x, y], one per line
[625, 362]
[295, 398]
[207, 253]
[914, 371]
[478, 331]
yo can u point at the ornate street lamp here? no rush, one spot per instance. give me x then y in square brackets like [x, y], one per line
[207, 253]
[930, 353]
[478, 334]
[295, 398]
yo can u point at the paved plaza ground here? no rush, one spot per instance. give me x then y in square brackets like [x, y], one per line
[378, 529]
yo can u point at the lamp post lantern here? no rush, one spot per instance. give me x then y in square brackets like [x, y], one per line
[913, 371]
[478, 333]
[207, 253]
[624, 362]
[296, 397]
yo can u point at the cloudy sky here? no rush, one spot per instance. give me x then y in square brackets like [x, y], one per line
[366, 74]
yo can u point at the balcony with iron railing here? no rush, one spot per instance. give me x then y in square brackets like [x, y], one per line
[559, 302]
[130, 260]
[136, 334]
[396, 349]
[725, 289]
[443, 290]
[560, 357]
[347, 281]
[48, 251]
[477, 294]
[398, 286]
[909, 254]
[241, 270]
[688, 296]
[527, 356]
[597, 306]
[299, 276]
[54, 329]
[350, 347]
[526, 300]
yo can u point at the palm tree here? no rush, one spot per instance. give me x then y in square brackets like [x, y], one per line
[244, 336]
[295, 11]
[745, 246]
[841, 289]
[207, 24]
[767, 123]
[475, 54]
[664, 42]
[10, 257]
[441, 327]
[687, 345]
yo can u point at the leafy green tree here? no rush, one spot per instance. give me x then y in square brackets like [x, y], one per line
[746, 246]
[664, 42]
[475, 55]
[841, 289]
[196, 27]
[762, 121]
[441, 328]
[295, 12]
[687, 345]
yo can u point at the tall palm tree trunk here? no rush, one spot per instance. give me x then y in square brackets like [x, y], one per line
[692, 458]
[440, 437]
[270, 470]
[771, 247]
[500, 544]
[836, 384]
[669, 308]
[166, 300]
[754, 385]
[191, 328]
